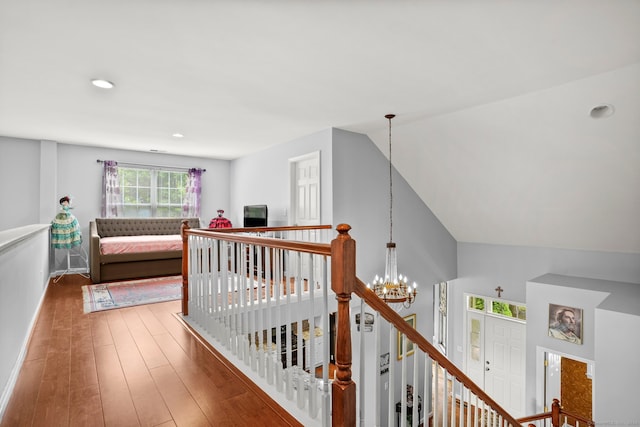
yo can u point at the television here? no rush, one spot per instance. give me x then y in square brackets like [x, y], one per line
[255, 216]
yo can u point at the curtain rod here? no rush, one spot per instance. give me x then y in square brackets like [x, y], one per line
[150, 166]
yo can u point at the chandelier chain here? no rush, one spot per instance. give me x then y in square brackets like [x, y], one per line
[389, 117]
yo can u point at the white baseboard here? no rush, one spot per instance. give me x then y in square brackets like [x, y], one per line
[15, 372]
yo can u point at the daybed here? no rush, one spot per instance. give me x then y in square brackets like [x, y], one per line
[129, 248]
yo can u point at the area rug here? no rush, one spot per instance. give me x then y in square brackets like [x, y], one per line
[107, 296]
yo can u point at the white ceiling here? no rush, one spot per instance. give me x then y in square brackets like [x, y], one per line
[492, 97]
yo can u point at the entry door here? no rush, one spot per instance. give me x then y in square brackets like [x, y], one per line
[305, 190]
[505, 363]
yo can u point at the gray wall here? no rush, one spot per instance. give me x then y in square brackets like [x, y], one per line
[483, 267]
[81, 176]
[617, 374]
[426, 250]
[263, 178]
[607, 339]
[541, 293]
[42, 172]
[20, 177]
[24, 273]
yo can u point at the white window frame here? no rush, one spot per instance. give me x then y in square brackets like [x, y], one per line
[440, 313]
[133, 210]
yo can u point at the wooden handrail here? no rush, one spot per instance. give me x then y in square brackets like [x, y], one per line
[537, 417]
[268, 229]
[270, 242]
[375, 302]
[555, 414]
[228, 234]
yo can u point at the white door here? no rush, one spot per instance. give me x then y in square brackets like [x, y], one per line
[505, 363]
[475, 347]
[305, 190]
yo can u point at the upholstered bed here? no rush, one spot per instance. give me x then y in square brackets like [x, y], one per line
[128, 248]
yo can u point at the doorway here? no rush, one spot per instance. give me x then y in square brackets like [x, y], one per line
[495, 349]
[570, 380]
[305, 189]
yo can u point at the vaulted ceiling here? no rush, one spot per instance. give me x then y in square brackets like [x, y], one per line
[493, 98]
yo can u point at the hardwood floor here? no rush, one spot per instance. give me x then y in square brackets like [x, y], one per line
[137, 366]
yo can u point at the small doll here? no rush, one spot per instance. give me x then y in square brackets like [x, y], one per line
[65, 229]
[220, 221]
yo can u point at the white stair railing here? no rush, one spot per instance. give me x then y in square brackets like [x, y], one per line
[422, 387]
[265, 306]
[264, 303]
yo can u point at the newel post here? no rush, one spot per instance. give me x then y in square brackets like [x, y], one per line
[343, 277]
[555, 413]
[185, 267]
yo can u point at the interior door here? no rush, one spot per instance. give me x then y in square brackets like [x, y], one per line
[575, 389]
[505, 363]
[305, 191]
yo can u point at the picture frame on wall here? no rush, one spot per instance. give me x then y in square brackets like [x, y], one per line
[565, 323]
[384, 363]
[402, 342]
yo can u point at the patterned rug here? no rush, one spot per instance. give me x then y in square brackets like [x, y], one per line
[107, 296]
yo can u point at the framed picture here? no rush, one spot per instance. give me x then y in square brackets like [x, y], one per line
[403, 342]
[384, 363]
[565, 323]
[368, 322]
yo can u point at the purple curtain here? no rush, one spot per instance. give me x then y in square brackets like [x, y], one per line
[191, 205]
[111, 196]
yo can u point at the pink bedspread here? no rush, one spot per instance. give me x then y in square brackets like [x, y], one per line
[135, 244]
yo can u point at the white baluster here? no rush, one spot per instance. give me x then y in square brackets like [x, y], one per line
[326, 397]
[415, 414]
[436, 392]
[394, 355]
[452, 409]
[428, 372]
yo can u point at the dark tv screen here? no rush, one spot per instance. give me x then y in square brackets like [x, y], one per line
[255, 216]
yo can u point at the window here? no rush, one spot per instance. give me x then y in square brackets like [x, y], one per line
[476, 303]
[474, 339]
[440, 315]
[506, 309]
[150, 192]
[497, 307]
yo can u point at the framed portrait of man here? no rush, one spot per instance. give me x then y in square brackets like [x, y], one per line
[565, 323]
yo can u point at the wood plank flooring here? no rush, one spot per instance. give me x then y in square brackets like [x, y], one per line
[136, 366]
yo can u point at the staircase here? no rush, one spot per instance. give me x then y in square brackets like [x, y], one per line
[277, 302]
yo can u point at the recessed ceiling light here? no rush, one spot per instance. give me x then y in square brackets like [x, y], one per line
[601, 111]
[177, 135]
[102, 84]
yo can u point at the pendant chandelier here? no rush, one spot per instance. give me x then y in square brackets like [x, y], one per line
[393, 288]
